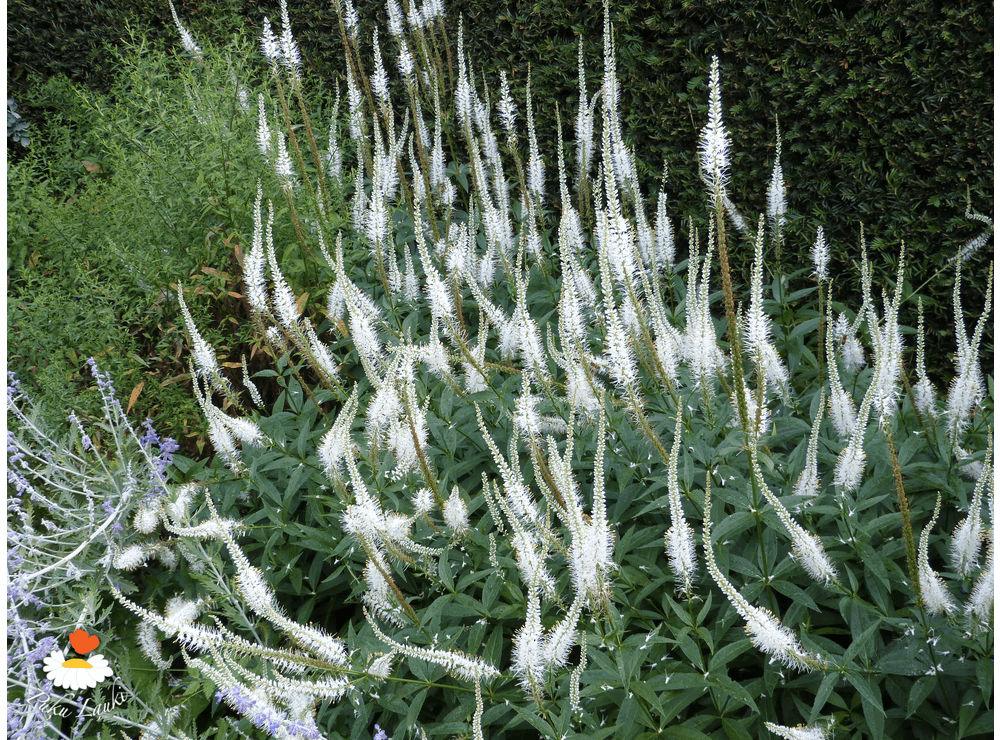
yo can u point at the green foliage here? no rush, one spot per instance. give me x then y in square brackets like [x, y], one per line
[125, 197]
[657, 662]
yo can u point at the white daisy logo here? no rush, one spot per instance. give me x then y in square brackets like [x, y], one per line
[77, 673]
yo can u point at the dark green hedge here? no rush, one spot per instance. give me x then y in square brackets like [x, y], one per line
[68, 37]
[886, 107]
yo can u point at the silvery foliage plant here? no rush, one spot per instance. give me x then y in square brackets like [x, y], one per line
[73, 512]
[541, 480]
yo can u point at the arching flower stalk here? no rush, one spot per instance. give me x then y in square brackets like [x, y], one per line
[806, 547]
[933, 592]
[205, 365]
[968, 534]
[187, 40]
[679, 539]
[765, 631]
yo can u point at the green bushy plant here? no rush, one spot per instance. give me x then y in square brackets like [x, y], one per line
[531, 472]
[129, 195]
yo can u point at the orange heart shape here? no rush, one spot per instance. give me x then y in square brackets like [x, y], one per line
[83, 642]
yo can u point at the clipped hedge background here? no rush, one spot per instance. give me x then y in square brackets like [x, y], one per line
[46, 38]
[885, 107]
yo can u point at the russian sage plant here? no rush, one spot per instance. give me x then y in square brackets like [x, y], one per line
[524, 476]
[77, 510]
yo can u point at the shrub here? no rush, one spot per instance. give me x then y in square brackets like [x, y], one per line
[128, 195]
[537, 482]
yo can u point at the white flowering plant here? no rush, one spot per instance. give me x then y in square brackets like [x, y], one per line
[526, 475]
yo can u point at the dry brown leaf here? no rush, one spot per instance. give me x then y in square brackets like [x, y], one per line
[134, 395]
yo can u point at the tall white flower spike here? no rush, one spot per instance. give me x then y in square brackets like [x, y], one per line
[820, 256]
[968, 388]
[715, 142]
[842, 412]
[776, 205]
[290, 56]
[187, 40]
[758, 325]
[807, 484]
[584, 122]
[802, 732]
[979, 608]
[923, 392]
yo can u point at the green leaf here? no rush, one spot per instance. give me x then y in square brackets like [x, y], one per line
[736, 729]
[680, 732]
[494, 647]
[871, 702]
[734, 690]
[822, 695]
[627, 717]
[982, 724]
[984, 677]
[861, 641]
[726, 653]
[491, 589]
[909, 447]
[732, 526]
[795, 593]
[901, 665]
[414, 705]
[919, 692]
[530, 716]
[679, 681]
[444, 571]
[691, 651]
